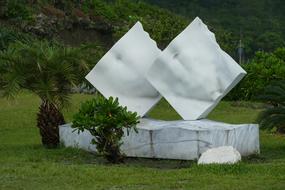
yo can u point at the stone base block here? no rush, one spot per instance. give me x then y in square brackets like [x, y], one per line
[183, 140]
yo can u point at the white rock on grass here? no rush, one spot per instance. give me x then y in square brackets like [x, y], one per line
[220, 155]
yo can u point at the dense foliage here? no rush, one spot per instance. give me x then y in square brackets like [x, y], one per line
[120, 15]
[274, 117]
[8, 36]
[229, 20]
[260, 23]
[106, 121]
[261, 71]
[16, 9]
[43, 68]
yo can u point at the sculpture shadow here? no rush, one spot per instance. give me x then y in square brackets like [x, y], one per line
[159, 163]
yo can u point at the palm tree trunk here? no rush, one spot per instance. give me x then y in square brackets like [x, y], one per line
[48, 120]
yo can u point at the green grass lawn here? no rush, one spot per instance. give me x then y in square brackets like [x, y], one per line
[25, 164]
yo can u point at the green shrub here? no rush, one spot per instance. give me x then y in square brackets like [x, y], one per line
[18, 9]
[99, 8]
[8, 36]
[106, 121]
[261, 71]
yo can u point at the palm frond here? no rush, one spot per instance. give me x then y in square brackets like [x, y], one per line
[275, 115]
[49, 70]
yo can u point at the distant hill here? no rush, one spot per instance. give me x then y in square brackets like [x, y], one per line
[260, 23]
[76, 22]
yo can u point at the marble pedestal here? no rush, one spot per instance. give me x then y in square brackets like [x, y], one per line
[183, 140]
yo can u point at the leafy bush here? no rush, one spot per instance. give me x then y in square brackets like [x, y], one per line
[99, 8]
[274, 117]
[261, 71]
[17, 9]
[106, 121]
[8, 36]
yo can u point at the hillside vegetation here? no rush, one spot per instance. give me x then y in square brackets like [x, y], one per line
[259, 23]
[108, 20]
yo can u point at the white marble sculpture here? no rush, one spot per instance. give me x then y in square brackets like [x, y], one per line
[193, 73]
[121, 72]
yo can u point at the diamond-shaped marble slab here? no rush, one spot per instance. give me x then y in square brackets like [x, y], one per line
[193, 73]
[122, 71]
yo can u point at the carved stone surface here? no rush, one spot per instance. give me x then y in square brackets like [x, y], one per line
[121, 72]
[193, 73]
[220, 155]
[184, 140]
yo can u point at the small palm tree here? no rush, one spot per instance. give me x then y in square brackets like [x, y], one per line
[47, 70]
[274, 116]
